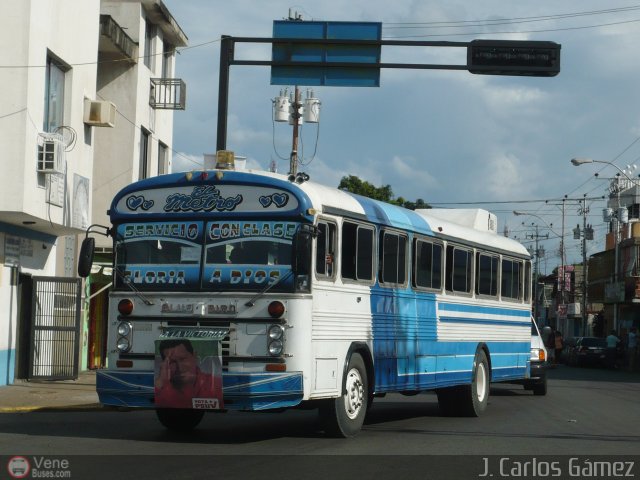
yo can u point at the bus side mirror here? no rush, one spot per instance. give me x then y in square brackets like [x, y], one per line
[85, 261]
[301, 255]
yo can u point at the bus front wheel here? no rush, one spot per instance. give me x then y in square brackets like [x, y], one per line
[343, 416]
[178, 419]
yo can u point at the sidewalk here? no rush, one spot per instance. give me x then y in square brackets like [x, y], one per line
[47, 395]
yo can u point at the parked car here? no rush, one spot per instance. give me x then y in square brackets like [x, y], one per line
[588, 351]
[567, 349]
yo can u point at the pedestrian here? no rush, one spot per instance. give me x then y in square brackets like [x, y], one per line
[559, 344]
[612, 349]
[632, 349]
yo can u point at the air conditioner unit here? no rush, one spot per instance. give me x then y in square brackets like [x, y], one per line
[99, 114]
[51, 153]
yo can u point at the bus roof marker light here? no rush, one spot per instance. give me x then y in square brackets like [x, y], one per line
[225, 160]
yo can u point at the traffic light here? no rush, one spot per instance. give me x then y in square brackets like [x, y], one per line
[513, 57]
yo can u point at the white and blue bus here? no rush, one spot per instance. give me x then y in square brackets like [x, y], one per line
[312, 296]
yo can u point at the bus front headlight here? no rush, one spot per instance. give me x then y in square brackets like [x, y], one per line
[275, 347]
[125, 329]
[124, 345]
[275, 332]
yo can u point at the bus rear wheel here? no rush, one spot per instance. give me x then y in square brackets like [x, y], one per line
[178, 419]
[468, 400]
[344, 416]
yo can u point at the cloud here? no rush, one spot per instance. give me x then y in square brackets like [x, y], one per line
[508, 178]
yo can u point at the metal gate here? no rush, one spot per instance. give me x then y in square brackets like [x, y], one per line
[55, 328]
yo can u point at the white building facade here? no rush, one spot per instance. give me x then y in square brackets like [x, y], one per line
[63, 141]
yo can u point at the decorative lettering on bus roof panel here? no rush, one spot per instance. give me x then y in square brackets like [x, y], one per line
[207, 198]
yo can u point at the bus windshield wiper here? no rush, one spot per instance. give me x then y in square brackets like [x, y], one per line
[252, 302]
[127, 281]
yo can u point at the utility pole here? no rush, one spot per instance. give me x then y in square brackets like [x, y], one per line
[536, 237]
[587, 234]
[585, 268]
[295, 116]
[562, 268]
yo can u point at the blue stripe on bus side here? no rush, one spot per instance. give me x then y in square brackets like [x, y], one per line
[457, 307]
[408, 354]
[483, 321]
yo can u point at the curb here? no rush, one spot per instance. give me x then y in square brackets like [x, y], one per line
[62, 408]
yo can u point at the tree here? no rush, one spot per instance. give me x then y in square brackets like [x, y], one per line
[353, 184]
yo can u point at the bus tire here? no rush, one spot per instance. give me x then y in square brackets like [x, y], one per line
[540, 387]
[468, 400]
[344, 416]
[178, 419]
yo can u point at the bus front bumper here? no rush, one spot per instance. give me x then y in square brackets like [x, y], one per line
[241, 391]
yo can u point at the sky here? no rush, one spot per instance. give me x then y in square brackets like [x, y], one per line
[451, 138]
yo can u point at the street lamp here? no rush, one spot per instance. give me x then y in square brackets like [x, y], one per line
[580, 161]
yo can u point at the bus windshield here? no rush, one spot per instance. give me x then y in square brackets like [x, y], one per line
[247, 255]
[199, 256]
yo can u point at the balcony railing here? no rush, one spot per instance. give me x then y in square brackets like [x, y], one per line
[168, 93]
[114, 40]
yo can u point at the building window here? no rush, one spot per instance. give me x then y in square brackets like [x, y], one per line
[144, 153]
[163, 159]
[54, 95]
[167, 57]
[149, 51]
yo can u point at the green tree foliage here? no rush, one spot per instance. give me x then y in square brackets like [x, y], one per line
[354, 184]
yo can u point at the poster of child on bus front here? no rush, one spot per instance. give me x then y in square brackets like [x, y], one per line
[188, 373]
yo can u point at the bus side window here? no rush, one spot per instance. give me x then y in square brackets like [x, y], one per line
[427, 260]
[357, 252]
[458, 269]
[325, 249]
[393, 254]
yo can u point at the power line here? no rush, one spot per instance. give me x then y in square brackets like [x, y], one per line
[502, 21]
[546, 30]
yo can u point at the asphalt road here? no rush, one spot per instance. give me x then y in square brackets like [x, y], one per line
[587, 412]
